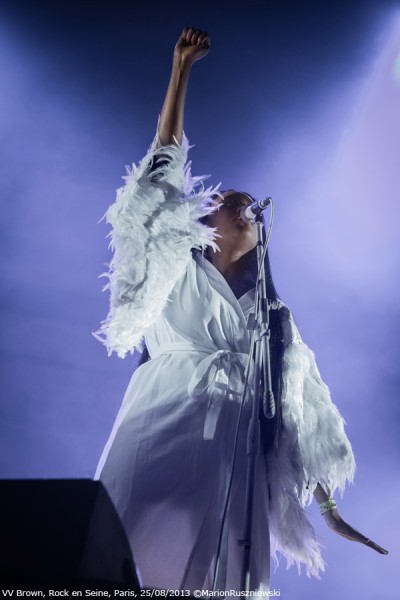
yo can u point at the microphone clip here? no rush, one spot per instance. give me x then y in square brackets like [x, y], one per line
[249, 214]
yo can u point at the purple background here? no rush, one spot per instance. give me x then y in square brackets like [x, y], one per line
[298, 100]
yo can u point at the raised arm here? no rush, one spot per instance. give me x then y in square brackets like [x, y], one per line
[192, 45]
[160, 205]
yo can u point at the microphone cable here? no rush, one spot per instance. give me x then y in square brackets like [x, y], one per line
[242, 400]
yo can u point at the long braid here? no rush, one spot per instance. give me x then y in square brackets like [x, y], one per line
[271, 428]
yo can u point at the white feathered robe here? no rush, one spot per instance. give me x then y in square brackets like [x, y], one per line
[167, 461]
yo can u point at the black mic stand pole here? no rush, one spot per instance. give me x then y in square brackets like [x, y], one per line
[262, 386]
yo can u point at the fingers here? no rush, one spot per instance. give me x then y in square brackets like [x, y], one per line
[193, 37]
[366, 542]
[359, 537]
[347, 531]
[376, 547]
[203, 39]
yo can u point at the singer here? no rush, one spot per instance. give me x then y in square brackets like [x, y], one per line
[182, 283]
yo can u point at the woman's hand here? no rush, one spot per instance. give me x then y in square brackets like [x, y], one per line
[337, 524]
[192, 45]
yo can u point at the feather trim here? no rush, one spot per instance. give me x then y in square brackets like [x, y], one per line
[155, 223]
[313, 449]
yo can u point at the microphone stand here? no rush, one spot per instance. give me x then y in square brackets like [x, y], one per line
[262, 388]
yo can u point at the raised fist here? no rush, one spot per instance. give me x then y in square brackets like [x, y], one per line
[192, 45]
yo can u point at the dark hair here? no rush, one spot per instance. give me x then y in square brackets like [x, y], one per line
[270, 428]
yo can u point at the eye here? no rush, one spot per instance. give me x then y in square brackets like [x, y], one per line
[229, 202]
[235, 201]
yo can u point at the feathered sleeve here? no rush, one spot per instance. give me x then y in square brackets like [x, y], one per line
[313, 448]
[155, 223]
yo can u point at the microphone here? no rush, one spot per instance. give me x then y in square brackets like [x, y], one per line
[249, 213]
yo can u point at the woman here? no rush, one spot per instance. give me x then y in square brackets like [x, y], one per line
[168, 460]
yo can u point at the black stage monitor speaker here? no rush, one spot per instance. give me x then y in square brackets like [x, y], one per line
[62, 531]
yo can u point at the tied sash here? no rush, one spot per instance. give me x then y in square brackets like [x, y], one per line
[218, 377]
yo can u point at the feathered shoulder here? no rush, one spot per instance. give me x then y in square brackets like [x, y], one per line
[155, 222]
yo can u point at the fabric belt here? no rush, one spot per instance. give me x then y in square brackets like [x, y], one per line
[218, 377]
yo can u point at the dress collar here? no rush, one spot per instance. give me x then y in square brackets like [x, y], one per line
[242, 304]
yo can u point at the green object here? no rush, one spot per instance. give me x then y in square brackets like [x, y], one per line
[327, 505]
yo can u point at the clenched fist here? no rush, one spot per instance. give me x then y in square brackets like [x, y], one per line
[192, 45]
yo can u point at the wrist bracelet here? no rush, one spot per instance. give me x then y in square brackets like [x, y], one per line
[327, 505]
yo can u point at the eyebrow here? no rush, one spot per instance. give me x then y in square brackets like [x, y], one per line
[239, 195]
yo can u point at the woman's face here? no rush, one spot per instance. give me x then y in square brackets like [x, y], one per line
[227, 218]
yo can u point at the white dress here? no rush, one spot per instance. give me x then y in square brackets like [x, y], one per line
[167, 462]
